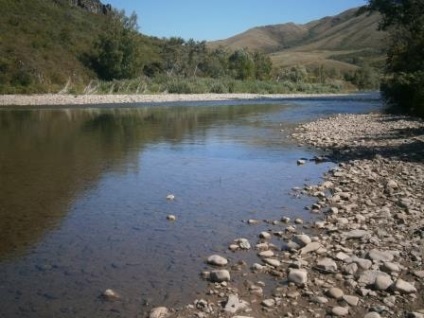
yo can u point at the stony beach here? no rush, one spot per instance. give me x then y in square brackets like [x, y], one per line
[362, 256]
[105, 99]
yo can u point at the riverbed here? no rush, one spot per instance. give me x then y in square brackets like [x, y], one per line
[86, 197]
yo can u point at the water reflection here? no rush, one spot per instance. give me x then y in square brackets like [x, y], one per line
[48, 157]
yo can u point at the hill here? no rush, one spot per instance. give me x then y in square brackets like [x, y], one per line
[343, 41]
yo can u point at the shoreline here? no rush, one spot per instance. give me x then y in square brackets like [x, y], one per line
[363, 258]
[78, 100]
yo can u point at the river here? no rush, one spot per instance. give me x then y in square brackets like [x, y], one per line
[83, 197]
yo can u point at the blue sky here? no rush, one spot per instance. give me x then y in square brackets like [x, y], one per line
[220, 19]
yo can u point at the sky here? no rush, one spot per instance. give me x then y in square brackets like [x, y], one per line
[220, 19]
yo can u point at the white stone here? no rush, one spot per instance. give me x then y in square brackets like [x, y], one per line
[266, 254]
[383, 282]
[311, 247]
[351, 300]
[243, 243]
[265, 235]
[159, 312]
[170, 197]
[377, 255]
[326, 265]
[340, 311]
[219, 276]
[356, 234]
[302, 240]
[110, 295]
[269, 303]
[234, 304]
[171, 217]
[335, 293]
[272, 261]
[404, 287]
[372, 314]
[298, 276]
[217, 260]
[368, 277]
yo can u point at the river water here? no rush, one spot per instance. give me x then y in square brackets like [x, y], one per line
[83, 192]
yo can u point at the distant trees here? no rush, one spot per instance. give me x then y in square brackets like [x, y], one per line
[403, 85]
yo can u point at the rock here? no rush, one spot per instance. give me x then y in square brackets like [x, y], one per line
[265, 235]
[404, 287]
[351, 300]
[298, 276]
[219, 276]
[362, 262]
[340, 311]
[272, 261]
[266, 254]
[390, 267]
[419, 274]
[258, 267]
[372, 314]
[298, 221]
[382, 282]
[356, 234]
[301, 162]
[243, 243]
[319, 300]
[311, 247]
[326, 265]
[159, 312]
[269, 303]
[234, 304]
[377, 255]
[350, 269]
[217, 260]
[369, 277]
[110, 295]
[171, 217]
[170, 197]
[335, 293]
[342, 256]
[253, 222]
[302, 240]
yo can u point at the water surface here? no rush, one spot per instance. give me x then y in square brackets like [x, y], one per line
[83, 198]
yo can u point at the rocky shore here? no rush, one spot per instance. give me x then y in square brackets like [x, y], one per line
[105, 99]
[362, 256]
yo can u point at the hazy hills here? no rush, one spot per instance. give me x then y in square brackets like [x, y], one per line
[342, 41]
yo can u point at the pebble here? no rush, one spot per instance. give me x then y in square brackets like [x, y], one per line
[326, 265]
[170, 197]
[171, 217]
[159, 312]
[269, 303]
[383, 282]
[311, 247]
[335, 293]
[372, 314]
[377, 255]
[272, 261]
[234, 304]
[219, 276]
[351, 300]
[265, 235]
[110, 295]
[340, 311]
[217, 260]
[298, 276]
[404, 287]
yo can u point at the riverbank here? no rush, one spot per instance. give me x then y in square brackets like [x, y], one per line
[106, 99]
[362, 257]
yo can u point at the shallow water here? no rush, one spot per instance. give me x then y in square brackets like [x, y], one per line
[83, 198]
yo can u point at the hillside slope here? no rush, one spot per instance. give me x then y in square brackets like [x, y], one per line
[342, 42]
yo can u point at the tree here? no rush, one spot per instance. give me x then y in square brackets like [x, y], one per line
[118, 49]
[242, 65]
[403, 85]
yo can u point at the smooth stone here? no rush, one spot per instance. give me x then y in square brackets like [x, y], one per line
[298, 276]
[170, 197]
[219, 276]
[350, 269]
[362, 262]
[326, 265]
[335, 293]
[404, 287]
[390, 267]
[253, 222]
[272, 261]
[356, 234]
[302, 240]
[171, 217]
[217, 260]
[351, 300]
[419, 274]
[340, 311]
[301, 162]
[372, 315]
[369, 277]
[320, 300]
[269, 303]
[342, 256]
[383, 282]
[265, 235]
[110, 295]
[159, 312]
[311, 247]
[234, 304]
[298, 221]
[266, 254]
[377, 255]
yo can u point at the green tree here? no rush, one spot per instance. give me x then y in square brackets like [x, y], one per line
[242, 65]
[404, 81]
[118, 49]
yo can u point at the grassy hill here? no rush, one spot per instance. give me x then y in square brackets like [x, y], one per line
[342, 42]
